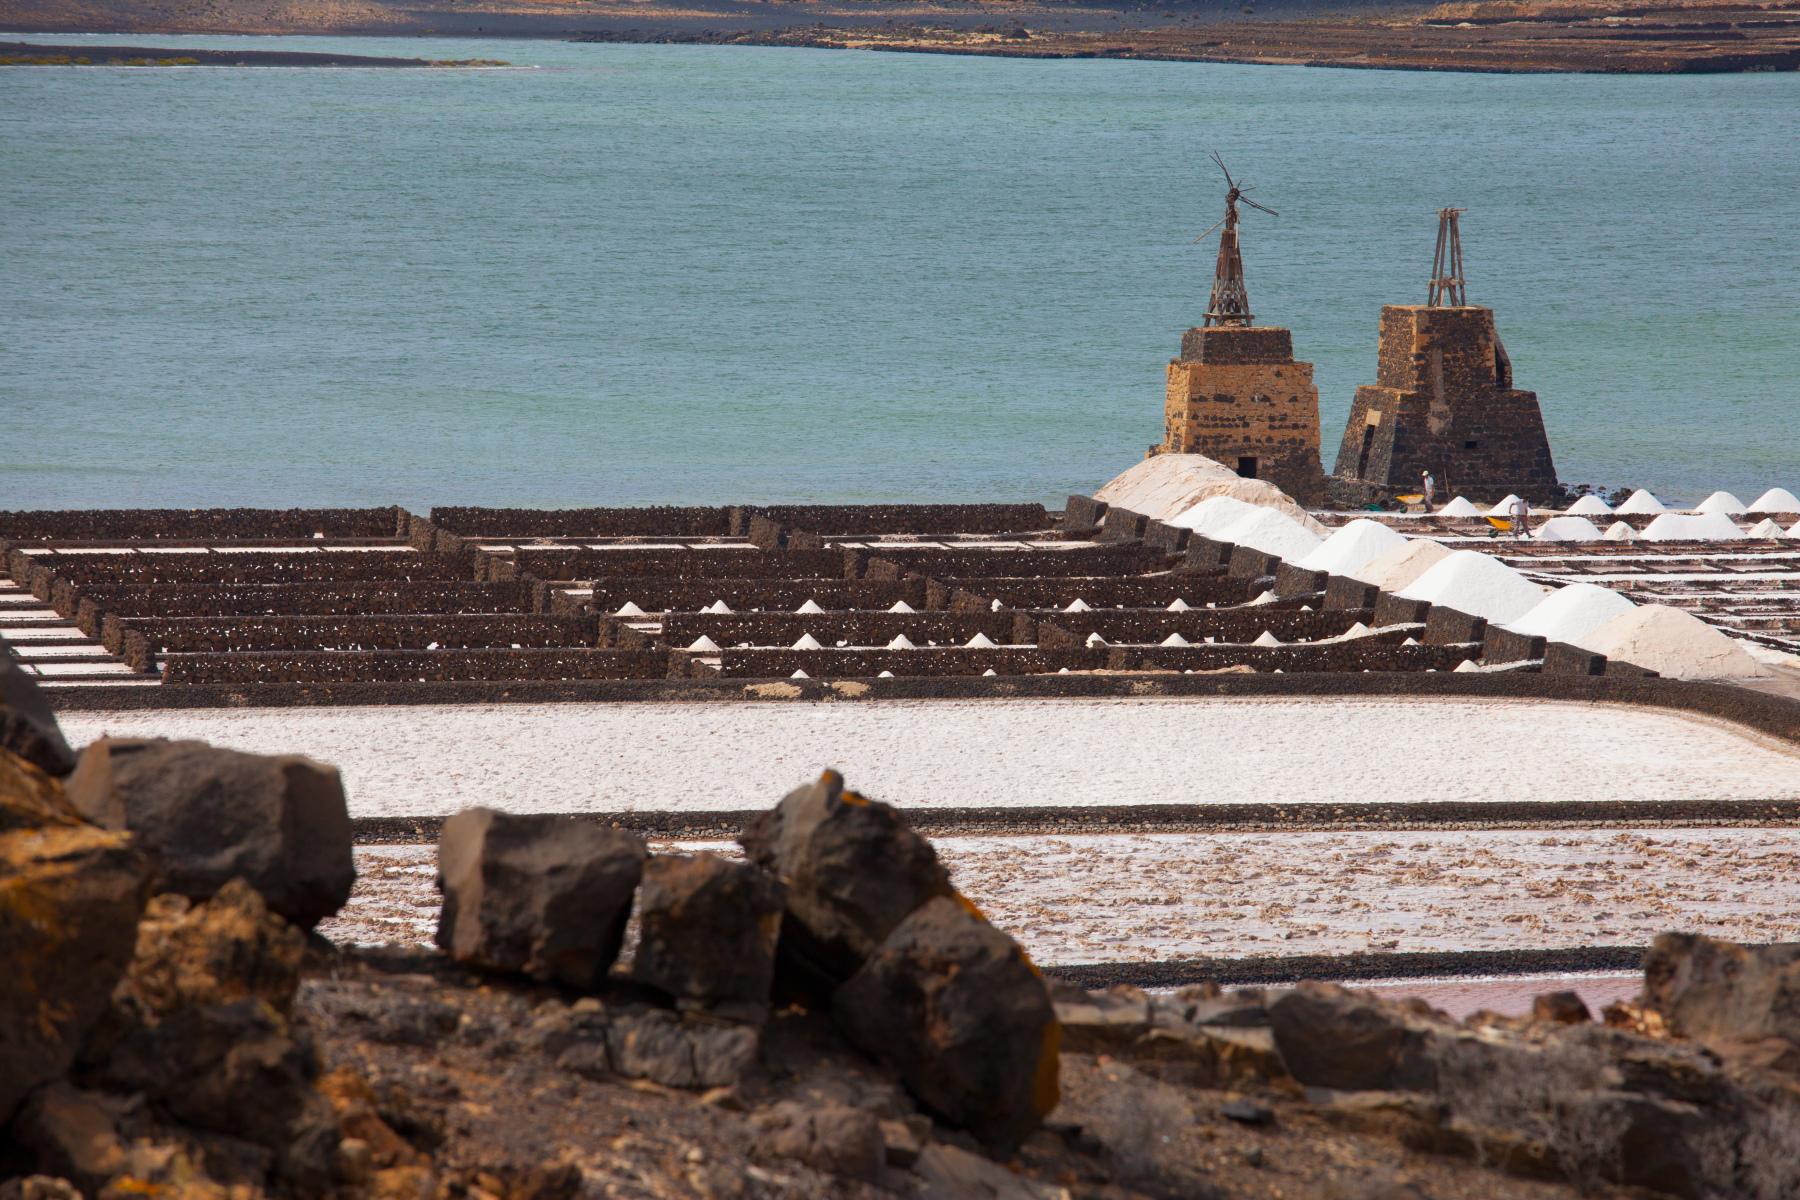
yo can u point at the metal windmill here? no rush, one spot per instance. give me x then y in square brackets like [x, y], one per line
[1230, 303]
[1447, 266]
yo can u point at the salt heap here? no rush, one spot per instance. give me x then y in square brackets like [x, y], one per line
[1673, 643]
[1175, 639]
[1398, 567]
[1640, 502]
[810, 606]
[1571, 613]
[628, 609]
[704, 645]
[1621, 531]
[1459, 507]
[980, 641]
[1567, 529]
[1701, 527]
[901, 606]
[1265, 638]
[808, 642]
[1720, 502]
[1776, 500]
[1768, 527]
[1164, 485]
[1795, 531]
[717, 606]
[1589, 505]
[1226, 520]
[1076, 605]
[901, 642]
[1505, 506]
[1352, 546]
[1471, 582]
[1178, 605]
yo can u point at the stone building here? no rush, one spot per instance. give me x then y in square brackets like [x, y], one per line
[1444, 401]
[1237, 396]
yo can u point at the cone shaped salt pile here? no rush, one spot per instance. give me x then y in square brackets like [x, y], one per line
[811, 606]
[1588, 506]
[1166, 485]
[1673, 643]
[1467, 664]
[1352, 546]
[1620, 531]
[1459, 507]
[704, 645]
[799, 675]
[1265, 638]
[995, 605]
[1175, 639]
[1567, 529]
[885, 675]
[1721, 502]
[1640, 503]
[717, 606]
[1768, 527]
[1571, 613]
[1776, 500]
[1178, 605]
[808, 642]
[1471, 582]
[901, 606]
[990, 671]
[628, 609]
[1795, 531]
[1077, 605]
[1268, 531]
[1505, 506]
[1700, 527]
[1398, 567]
[980, 641]
[901, 642]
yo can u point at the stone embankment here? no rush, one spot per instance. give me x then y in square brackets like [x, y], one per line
[827, 1017]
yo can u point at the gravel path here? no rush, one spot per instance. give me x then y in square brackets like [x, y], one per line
[434, 760]
[1173, 896]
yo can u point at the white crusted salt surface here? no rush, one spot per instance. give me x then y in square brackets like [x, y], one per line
[1700, 527]
[1474, 583]
[1674, 643]
[1567, 529]
[1640, 502]
[1400, 566]
[1124, 898]
[1571, 613]
[431, 760]
[1721, 502]
[1459, 507]
[1354, 545]
[1776, 500]
[1589, 505]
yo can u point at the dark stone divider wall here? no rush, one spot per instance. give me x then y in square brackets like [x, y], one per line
[861, 664]
[407, 666]
[849, 519]
[1153, 624]
[1361, 654]
[633, 563]
[661, 593]
[317, 599]
[111, 570]
[140, 641]
[1113, 559]
[199, 524]
[1100, 591]
[857, 628]
[652, 521]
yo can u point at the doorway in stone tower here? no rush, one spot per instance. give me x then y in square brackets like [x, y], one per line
[1362, 458]
[1247, 467]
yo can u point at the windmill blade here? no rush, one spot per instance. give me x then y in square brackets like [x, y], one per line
[1215, 225]
[1254, 204]
[1222, 167]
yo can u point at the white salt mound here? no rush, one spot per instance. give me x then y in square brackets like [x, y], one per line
[1571, 613]
[1352, 546]
[990, 671]
[1639, 503]
[1768, 527]
[1776, 500]
[1459, 507]
[1400, 566]
[1621, 531]
[1589, 506]
[901, 642]
[901, 606]
[1265, 638]
[1504, 507]
[1700, 527]
[811, 606]
[1178, 605]
[1795, 531]
[885, 675]
[799, 675]
[1094, 639]
[717, 606]
[1175, 639]
[1266, 530]
[1568, 529]
[980, 641]
[1076, 605]
[1471, 582]
[808, 642]
[1673, 643]
[628, 609]
[1721, 502]
[704, 645]
[1166, 485]
[1268, 597]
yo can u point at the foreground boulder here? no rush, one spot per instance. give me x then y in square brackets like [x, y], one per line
[70, 896]
[542, 896]
[853, 871]
[208, 815]
[27, 726]
[1717, 991]
[953, 1006]
[709, 928]
[1332, 1037]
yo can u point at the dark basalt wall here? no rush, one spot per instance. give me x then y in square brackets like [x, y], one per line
[140, 640]
[199, 524]
[1099, 591]
[1361, 654]
[1121, 559]
[661, 593]
[858, 664]
[103, 570]
[699, 564]
[855, 628]
[317, 599]
[905, 518]
[1224, 625]
[655, 521]
[408, 666]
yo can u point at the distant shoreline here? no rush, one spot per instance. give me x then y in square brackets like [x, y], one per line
[35, 54]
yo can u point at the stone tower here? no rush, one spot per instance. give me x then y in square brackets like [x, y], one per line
[1236, 395]
[1444, 401]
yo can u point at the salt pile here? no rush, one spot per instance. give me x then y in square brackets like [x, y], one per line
[704, 645]
[1352, 546]
[1076, 605]
[1505, 506]
[628, 609]
[1700, 527]
[1568, 529]
[799, 675]
[1178, 605]
[717, 606]
[1776, 500]
[1795, 531]
[1165, 485]
[1721, 502]
[1589, 506]
[980, 641]
[1265, 638]
[1621, 531]
[885, 675]
[990, 671]
[1471, 582]
[1459, 507]
[811, 606]
[901, 642]
[1768, 527]
[901, 606]
[1400, 566]
[1175, 639]
[1640, 502]
[1094, 639]
[1571, 613]
[1268, 531]
[1673, 643]
[808, 642]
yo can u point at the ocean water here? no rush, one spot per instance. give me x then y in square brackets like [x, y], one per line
[639, 274]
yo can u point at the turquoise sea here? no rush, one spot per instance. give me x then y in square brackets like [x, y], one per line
[637, 274]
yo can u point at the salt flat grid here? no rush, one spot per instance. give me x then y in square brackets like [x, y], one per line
[733, 755]
[1160, 897]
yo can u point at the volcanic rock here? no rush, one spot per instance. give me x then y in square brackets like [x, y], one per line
[208, 815]
[953, 1006]
[853, 870]
[27, 726]
[709, 928]
[1720, 991]
[832, 1137]
[1332, 1037]
[542, 896]
[227, 949]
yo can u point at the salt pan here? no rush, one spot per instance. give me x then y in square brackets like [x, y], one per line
[1674, 644]
[1620, 531]
[1352, 546]
[1567, 529]
[1641, 503]
[1588, 506]
[1776, 500]
[1400, 566]
[1459, 507]
[1472, 582]
[1721, 502]
[1571, 613]
[1700, 527]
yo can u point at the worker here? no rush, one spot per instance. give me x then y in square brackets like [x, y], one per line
[1430, 489]
[1521, 517]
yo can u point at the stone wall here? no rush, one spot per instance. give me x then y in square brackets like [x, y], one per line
[198, 524]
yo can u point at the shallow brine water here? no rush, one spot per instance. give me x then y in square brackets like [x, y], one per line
[649, 274]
